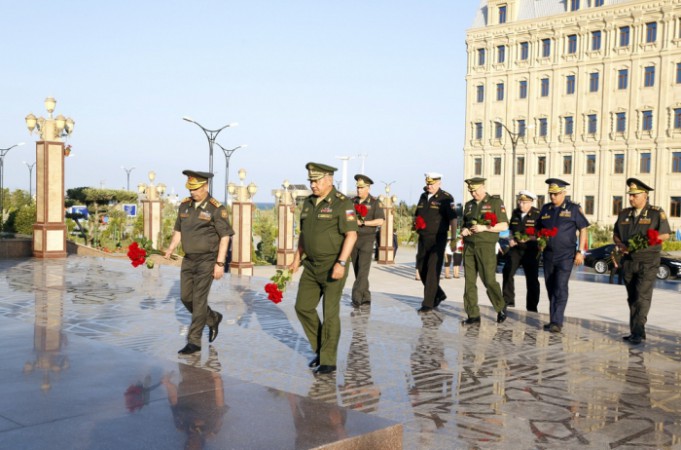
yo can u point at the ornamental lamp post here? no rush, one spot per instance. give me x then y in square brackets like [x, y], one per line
[152, 209]
[242, 222]
[211, 135]
[228, 154]
[3, 152]
[386, 251]
[30, 178]
[514, 144]
[127, 172]
[49, 230]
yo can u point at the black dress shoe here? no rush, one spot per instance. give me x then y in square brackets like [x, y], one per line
[324, 369]
[547, 326]
[440, 299]
[470, 321]
[635, 340]
[501, 317]
[213, 331]
[424, 310]
[555, 328]
[628, 337]
[189, 349]
[314, 363]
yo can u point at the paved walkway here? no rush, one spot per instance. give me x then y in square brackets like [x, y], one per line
[81, 332]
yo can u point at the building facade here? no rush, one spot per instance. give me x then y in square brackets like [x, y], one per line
[588, 91]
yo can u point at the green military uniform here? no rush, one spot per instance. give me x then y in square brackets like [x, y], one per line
[202, 226]
[323, 226]
[364, 248]
[640, 267]
[479, 254]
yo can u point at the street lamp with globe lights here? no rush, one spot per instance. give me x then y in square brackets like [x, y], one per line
[3, 152]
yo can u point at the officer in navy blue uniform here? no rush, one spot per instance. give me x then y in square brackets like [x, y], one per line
[562, 251]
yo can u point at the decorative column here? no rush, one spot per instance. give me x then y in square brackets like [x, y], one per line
[152, 210]
[242, 222]
[386, 251]
[49, 230]
[285, 209]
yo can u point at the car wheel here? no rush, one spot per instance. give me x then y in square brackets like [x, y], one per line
[601, 266]
[663, 272]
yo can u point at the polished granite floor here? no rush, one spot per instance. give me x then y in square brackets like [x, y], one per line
[90, 361]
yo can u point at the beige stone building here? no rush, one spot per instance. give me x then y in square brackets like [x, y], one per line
[590, 92]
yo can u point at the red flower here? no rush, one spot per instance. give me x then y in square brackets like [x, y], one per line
[653, 237]
[273, 292]
[530, 231]
[420, 224]
[361, 210]
[136, 254]
[491, 219]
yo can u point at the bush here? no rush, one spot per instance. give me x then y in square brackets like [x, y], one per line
[25, 219]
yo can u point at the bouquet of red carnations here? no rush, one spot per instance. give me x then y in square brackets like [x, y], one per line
[419, 223]
[275, 289]
[639, 241]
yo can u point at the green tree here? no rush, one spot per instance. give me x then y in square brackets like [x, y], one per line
[25, 219]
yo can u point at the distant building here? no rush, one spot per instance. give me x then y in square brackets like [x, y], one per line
[591, 89]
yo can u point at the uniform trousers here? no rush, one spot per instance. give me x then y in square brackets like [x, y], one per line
[429, 259]
[527, 258]
[556, 276]
[639, 279]
[481, 258]
[315, 283]
[196, 277]
[361, 263]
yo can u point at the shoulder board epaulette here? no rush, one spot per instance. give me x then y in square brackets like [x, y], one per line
[340, 196]
[215, 202]
[656, 208]
[185, 200]
[447, 194]
[497, 196]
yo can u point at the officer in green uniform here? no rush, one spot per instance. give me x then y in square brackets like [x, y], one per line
[204, 230]
[328, 232]
[640, 266]
[364, 248]
[483, 218]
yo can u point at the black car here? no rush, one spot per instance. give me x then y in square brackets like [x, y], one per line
[599, 259]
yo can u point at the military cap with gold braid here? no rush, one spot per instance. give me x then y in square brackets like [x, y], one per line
[556, 185]
[196, 179]
[475, 183]
[432, 177]
[363, 180]
[317, 171]
[526, 196]
[637, 186]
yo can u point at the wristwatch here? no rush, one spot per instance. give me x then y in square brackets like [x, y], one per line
[220, 264]
[342, 263]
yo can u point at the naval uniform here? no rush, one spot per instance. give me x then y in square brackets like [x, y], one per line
[323, 228]
[201, 226]
[640, 267]
[480, 256]
[523, 254]
[437, 212]
[363, 250]
[559, 254]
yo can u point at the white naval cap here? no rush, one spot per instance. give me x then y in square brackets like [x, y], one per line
[432, 177]
[526, 195]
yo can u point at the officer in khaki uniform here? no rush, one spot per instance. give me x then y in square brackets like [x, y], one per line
[364, 248]
[328, 232]
[479, 249]
[204, 230]
[639, 267]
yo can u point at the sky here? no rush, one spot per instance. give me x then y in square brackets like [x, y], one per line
[305, 81]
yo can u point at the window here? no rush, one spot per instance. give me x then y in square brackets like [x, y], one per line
[619, 163]
[593, 81]
[544, 87]
[675, 207]
[522, 128]
[621, 122]
[624, 36]
[478, 166]
[570, 84]
[524, 51]
[574, 5]
[649, 76]
[595, 40]
[647, 123]
[500, 91]
[546, 48]
[540, 201]
[543, 127]
[520, 165]
[616, 205]
[523, 89]
[497, 166]
[480, 93]
[502, 14]
[569, 125]
[481, 56]
[598, 3]
[572, 44]
[541, 165]
[678, 73]
[567, 164]
[478, 131]
[651, 32]
[592, 123]
[501, 54]
[644, 165]
[622, 78]
[590, 164]
[676, 162]
[498, 130]
[589, 204]
[677, 118]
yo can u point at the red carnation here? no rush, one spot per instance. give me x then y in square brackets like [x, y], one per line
[361, 210]
[136, 254]
[530, 231]
[491, 219]
[653, 237]
[273, 292]
[420, 224]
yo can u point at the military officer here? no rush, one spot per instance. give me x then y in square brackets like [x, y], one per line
[436, 212]
[328, 232]
[639, 266]
[369, 217]
[483, 218]
[204, 230]
[522, 252]
[563, 251]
